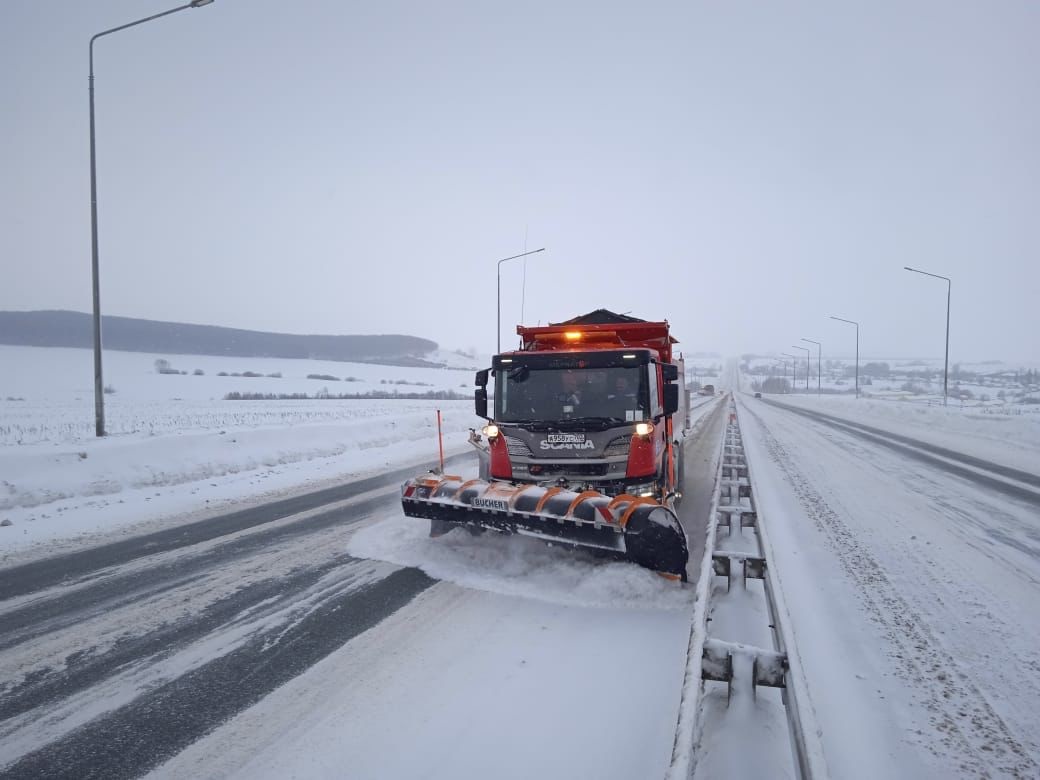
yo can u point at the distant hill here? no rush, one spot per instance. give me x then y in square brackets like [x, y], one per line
[75, 329]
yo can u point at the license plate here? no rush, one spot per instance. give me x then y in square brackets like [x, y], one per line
[565, 438]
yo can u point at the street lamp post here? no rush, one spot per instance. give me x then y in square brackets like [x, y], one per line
[794, 369]
[99, 387]
[807, 366]
[852, 322]
[498, 328]
[819, 363]
[946, 363]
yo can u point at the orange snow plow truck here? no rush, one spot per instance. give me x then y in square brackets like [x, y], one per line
[582, 446]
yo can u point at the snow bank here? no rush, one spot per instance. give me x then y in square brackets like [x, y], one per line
[40, 474]
[52, 492]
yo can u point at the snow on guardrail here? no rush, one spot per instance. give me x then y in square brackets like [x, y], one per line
[740, 685]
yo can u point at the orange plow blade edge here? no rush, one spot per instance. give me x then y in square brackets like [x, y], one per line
[636, 529]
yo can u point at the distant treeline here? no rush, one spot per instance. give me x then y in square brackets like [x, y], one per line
[75, 329]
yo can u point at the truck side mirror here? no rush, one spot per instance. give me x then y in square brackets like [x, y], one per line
[671, 399]
[480, 401]
[669, 372]
[482, 379]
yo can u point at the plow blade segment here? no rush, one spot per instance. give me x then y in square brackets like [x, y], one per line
[634, 529]
[656, 540]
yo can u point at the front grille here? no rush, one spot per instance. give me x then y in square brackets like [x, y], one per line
[515, 446]
[572, 469]
[618, 446]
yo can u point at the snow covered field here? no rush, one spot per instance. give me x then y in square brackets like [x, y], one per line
[176, 448]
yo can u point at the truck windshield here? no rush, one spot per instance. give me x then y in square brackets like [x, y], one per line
[615, 394]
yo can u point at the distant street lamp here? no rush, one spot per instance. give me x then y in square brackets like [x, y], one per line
[853, 322]
[807, 366]
[99, 387]
[782, 362]
[794, 370]
[498, 329]
[819, 363]
[946, 364]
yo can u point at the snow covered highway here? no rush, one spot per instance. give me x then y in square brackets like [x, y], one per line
[121, 667]
[912, 578]
[324, 634]
[1015, 483]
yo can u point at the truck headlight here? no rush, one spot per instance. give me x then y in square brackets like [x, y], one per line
[491, 431]
[644, 428]
[642, 489]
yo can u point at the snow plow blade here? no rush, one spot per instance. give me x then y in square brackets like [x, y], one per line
[626, 527]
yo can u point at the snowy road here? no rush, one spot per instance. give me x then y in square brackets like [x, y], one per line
[913, 578]
[123, 666]
[1013, 483]
[255, 645]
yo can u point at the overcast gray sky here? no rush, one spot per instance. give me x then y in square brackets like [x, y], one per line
[741, 169]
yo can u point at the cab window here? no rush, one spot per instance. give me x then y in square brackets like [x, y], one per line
[655, 401]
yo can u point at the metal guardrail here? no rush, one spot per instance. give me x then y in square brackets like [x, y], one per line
[738, 557]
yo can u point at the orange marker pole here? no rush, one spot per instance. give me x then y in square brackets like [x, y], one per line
[440, 440]
[671, 457]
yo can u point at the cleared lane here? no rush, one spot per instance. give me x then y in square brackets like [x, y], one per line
[1028, 477]
[126, 659]
[164, 719]
[1014, 483]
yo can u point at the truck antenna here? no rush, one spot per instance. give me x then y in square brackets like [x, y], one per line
[523, 284]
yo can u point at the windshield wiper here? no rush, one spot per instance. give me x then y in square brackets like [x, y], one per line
[541, 425]
[602, 422]
[567, 423]
[534, 425]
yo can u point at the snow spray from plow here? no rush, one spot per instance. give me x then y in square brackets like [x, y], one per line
[719, 653]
